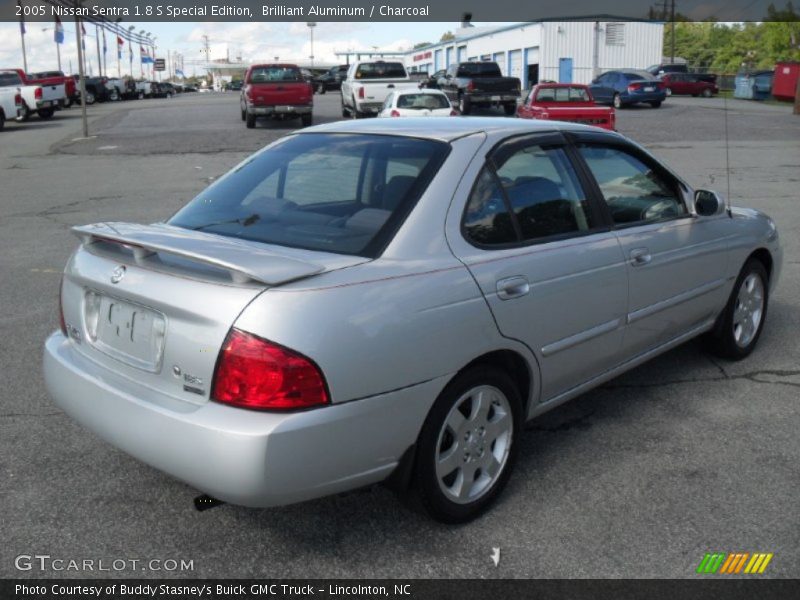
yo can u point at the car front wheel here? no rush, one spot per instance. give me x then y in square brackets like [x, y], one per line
[656, 104]
[706, 93]
[467, 446]
[740, 324]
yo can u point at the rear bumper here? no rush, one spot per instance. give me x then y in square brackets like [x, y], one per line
[243, 457]
[644, 97]
[490, 98]
[281, 109]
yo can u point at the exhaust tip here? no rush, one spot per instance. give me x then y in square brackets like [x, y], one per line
[205, 502]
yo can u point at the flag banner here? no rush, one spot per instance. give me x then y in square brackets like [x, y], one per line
[58, 34]
[120, 44]
[179, 73]
[146, 58]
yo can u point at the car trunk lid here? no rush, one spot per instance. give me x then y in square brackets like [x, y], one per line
[154, 303]
[280, 93]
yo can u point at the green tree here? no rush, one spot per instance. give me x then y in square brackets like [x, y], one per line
[447, 36]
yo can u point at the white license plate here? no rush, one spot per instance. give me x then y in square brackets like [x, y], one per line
[495, 98]
[130, 332]
[284, 109]
[649, 89]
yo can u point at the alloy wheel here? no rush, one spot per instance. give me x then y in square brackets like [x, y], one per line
[749, 310]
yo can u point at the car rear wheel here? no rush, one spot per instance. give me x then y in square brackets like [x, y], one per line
[345, 111]
[90, 98]
[740, 324]
[467, 446]
[321, 88]
[244, 114]
[656, 104]
[46, 113]
[251, 120]
[510, 109]
[307, 120]
[25, 113]
[2, 119]
[618, 101]
[706, 93]
[464, 106]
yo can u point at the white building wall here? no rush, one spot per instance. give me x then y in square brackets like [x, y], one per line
[642, 46]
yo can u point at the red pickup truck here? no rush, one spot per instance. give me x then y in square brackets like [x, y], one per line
[566, 102]
[278, 91]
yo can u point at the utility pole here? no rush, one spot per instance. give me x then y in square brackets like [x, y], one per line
[797, 97]
[97, 39]
[81, 75]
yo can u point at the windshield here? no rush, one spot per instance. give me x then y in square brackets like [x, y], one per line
[563, 94]
[423, 101]
[487, 69]
[270, 74]
[341, 193]
[380, 70]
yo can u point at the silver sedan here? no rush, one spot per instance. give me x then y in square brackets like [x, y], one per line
[391, 300]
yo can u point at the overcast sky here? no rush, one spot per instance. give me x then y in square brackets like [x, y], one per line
[255, 41]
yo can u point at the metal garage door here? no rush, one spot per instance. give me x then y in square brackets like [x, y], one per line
[500, 59]
[462, 53]
[530, 57]
[437, 60]
[515, 63]
[449, 57]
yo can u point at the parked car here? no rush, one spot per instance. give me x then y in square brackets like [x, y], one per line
[688, 84]
[35, 98]
[96, 89]
[663, 68]
[331, 80]
[566, 102]
[56, 78]
[470, 84]
[417, 103]
[277, 91]
[189, 88]
[626, 87]
[124, 88]
[392, 300]
[10, 104]
[432, 81]
[235, 86]
[367, 85]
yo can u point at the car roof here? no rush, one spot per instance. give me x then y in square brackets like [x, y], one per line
[447, 130]
[561, 85]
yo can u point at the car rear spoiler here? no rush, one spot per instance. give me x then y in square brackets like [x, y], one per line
[245, 262]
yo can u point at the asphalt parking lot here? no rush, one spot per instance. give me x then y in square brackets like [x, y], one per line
[682, 456]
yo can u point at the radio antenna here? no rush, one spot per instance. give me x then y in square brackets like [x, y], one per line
[727, 156]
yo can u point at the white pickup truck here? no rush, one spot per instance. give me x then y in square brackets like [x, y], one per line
[368, 83]
[32, 95]
[10, 104]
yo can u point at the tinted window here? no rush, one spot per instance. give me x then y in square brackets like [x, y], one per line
[8, 79]
[270, 74]
[563, 94]
[633, 191]
[380, 70]
[423, 101]
[478, 69]
[487, 220]
[331, 192]
[638, 75]
[544, 192]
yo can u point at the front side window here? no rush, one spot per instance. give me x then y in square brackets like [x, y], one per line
[530, 194]
[633, 191]
[338, 193]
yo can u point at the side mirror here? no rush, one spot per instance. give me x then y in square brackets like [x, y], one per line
[708, 203]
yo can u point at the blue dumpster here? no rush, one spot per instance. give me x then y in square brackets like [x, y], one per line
[755, 85]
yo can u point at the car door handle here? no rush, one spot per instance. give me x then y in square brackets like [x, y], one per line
[391, 85]
[512, 287]
[640, 256]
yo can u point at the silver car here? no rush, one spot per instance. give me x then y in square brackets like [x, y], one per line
[377, 301]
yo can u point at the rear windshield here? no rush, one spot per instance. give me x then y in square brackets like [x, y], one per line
[638, 75]
[269, 74]
[7, 79]
[423, 101]
[477, 69]
[380, 70]
[562, 94]
[341, 193]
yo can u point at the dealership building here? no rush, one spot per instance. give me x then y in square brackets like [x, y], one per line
[562, 51]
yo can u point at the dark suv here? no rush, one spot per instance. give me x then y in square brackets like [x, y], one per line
[330, 80]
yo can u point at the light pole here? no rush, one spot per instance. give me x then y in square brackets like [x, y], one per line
[311, 25]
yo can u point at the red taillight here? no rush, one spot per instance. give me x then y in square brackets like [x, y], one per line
[61, 322]
[453, 112]
[394, 113]
[470, 86]
[361, 92]
[18, 99]
[38, 93]
[254, 373]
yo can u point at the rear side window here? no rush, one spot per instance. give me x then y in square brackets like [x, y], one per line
[9, 79]
[563, 94]
[478, 69]
[634, 191]
[532, 194]
[380, 70]
[340, 193]
[275, 74]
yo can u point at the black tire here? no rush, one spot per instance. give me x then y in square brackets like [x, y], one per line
[464, 105]
[656, 104]
[25, 114]
[307, 119]
[140, 96]
[46, 113]
[722, 341]
[90, 98]
[510, 109]
[354, 112]
[114, 95]
[2, 119]
[244, 114]
[250, 120]
[321, 88]
[617, 101]
[345, 111]
[68, 103]
[706, 93]
[426, 482]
